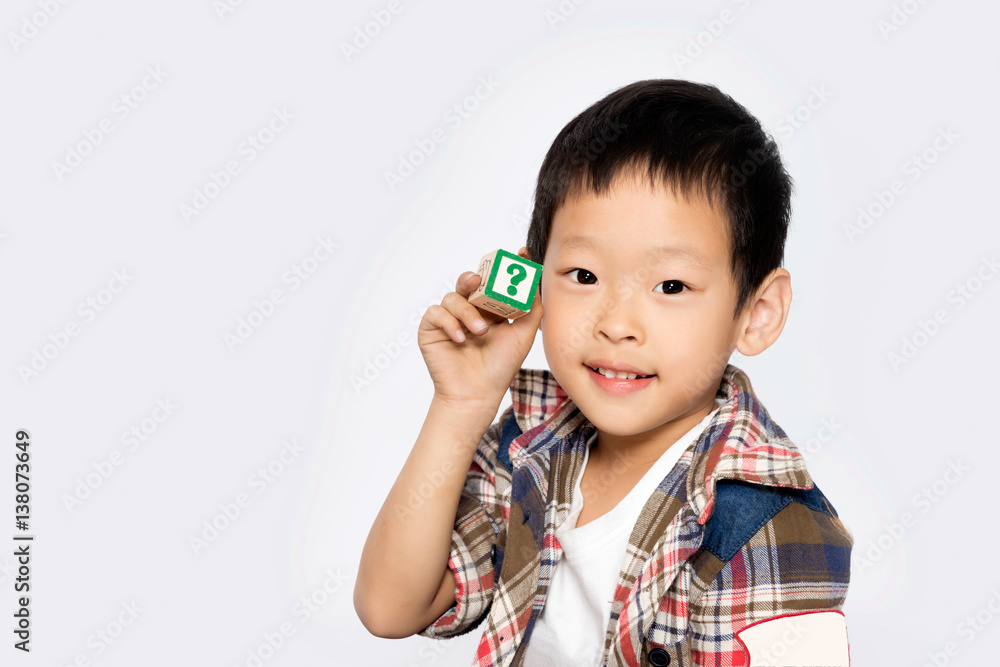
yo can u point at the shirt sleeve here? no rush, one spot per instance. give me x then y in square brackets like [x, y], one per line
[479, 519]
[797, 563]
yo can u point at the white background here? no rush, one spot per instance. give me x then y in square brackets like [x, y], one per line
[189, 283]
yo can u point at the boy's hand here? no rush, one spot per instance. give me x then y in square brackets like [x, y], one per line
[470, 366]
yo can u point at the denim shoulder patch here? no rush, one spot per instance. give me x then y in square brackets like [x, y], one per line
[742, 508]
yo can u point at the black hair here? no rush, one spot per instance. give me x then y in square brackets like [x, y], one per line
[691, 137]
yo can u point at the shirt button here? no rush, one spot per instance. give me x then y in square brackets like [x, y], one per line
[493, 554]
[659, 657]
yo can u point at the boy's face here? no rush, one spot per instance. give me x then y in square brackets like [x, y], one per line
[612, 297]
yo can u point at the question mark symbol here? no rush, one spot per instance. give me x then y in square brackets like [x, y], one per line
[521, 274]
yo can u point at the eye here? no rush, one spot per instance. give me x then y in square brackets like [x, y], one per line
[674, 287]
[585, 277]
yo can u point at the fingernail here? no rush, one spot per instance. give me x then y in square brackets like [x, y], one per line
[460, 336]
[479, 324]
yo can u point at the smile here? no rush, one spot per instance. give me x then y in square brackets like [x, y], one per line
[619, 382]
[621, 375]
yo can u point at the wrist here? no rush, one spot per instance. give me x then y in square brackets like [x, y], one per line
[464, 412]
[465, 404]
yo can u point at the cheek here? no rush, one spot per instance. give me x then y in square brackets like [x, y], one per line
[558, 321]
[554, 310]
[559, 341]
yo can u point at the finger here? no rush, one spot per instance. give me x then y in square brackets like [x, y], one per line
[467, 283]
[473, 318]
[438, 317]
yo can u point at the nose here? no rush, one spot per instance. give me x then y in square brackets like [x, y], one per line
[620, 319]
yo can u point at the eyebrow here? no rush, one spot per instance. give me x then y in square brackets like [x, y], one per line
[680, 252]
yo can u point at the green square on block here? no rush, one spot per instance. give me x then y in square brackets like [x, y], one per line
[513, 280]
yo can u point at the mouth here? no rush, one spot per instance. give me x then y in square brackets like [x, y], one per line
[612, 374]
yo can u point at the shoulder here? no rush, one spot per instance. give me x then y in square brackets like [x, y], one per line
[791, 516]
[773, 573]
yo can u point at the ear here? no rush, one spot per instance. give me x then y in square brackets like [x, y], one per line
[764, 317]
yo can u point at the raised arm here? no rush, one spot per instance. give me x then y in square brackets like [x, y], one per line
[404, 582]
[410, 551]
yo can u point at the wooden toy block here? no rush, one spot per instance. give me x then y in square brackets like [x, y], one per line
[508, 284]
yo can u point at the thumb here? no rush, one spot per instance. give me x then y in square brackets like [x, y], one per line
[534, 317]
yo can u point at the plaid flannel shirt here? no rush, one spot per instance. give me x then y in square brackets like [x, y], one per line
[687, 585]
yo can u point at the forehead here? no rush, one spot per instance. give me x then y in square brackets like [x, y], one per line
[639, 220]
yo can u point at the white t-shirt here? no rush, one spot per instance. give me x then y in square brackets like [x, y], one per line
[570, 630]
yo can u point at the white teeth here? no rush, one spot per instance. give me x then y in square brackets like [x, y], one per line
[620, 375]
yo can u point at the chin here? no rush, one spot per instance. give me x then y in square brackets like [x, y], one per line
[617, 429]
[613, 421]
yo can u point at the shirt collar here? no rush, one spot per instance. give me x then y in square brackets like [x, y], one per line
[741, 442]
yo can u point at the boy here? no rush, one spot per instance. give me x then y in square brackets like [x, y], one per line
[636, 505]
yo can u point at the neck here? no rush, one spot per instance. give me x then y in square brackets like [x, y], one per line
[644, 449]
